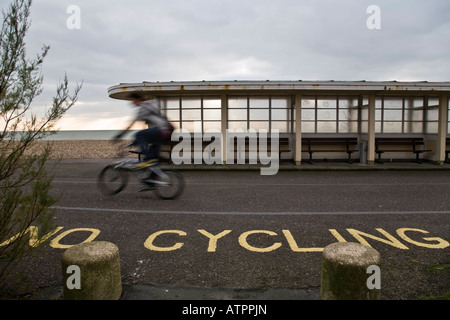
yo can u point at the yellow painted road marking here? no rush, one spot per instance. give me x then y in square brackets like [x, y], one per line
[411, 236]
[149, 242]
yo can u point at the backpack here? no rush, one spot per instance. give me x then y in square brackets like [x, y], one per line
[167, 134]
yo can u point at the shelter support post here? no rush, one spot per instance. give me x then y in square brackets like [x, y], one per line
[371, 131]
[223, 125]
[442, 129]
[298, 129]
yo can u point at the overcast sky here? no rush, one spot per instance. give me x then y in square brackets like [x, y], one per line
[137, 40]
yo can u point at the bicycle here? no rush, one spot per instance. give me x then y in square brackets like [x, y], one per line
[113, 178]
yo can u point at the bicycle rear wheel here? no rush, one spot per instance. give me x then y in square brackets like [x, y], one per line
[111, 181]
[170, 187]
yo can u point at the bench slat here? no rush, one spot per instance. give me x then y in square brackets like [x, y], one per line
[380, 148]
[309, 143]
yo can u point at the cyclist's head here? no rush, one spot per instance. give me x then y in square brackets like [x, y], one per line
[136, 97]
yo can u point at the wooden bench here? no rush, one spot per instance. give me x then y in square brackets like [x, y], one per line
[312, 145]
[283, 146]
[414, 145]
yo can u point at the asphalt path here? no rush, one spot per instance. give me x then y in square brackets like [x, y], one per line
[243, 231]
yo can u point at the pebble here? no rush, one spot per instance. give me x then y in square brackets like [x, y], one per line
[82, 149]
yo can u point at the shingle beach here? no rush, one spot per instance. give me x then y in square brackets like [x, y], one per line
[83, 149]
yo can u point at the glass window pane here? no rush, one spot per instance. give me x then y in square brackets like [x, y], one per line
[237, 103]
[348, 114]
[365, 127]
[377, 115]
[348, 103]
[365, 114]
[259, 103]
[377, 127]
[326, 127]
[418, 103]
[211, 103]
[191, 115]
[348, 127]
[433, 102]
[280, 114]
[212, 114]
[413, 127]
[414, 115]
[191, 126]
[257, 125]
[417, 127]
[432, 114]
[432, 127]
[212, 126]
[237, 114]
[326, 114]
[189, 103]
[259, 114]
[393, 103]
[308, 127]
[308, 103]
[392, 115]
[326, 103]
[237, 125]
[378, 104]
[171, 103]
[392, 127]
[308, 114]
[173, 115]
[414, 103]
[280, 126]
[281, 103]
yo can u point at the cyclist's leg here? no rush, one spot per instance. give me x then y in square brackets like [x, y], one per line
[153, 137]
[149, 136]
[155, 148]
[142, 141]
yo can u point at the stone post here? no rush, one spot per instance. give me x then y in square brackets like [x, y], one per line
[91, 271]
[345, 272]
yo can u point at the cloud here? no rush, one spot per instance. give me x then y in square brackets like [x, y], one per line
[135, 41]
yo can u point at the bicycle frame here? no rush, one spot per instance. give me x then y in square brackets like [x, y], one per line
[128, 165]
[167, 184]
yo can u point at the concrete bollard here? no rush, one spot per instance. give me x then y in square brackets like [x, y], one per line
[345, 274]
[91, 271]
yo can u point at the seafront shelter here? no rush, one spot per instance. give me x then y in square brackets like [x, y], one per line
[360, 121]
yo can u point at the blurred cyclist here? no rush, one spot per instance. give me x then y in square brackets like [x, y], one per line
[158, 129]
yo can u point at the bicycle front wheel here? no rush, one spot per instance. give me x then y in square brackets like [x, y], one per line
[169, 187]
[111, 181]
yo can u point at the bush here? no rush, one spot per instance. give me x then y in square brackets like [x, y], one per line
[25, 182]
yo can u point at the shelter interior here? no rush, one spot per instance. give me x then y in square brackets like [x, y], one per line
[415, 115]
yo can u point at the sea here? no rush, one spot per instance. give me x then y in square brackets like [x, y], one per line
[88, 135]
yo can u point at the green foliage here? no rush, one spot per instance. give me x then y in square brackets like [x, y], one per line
[25, 182]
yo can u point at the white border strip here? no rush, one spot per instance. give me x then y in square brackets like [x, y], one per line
[285, 213]
[286, 184]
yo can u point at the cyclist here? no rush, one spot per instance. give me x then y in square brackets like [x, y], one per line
[158, 129]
